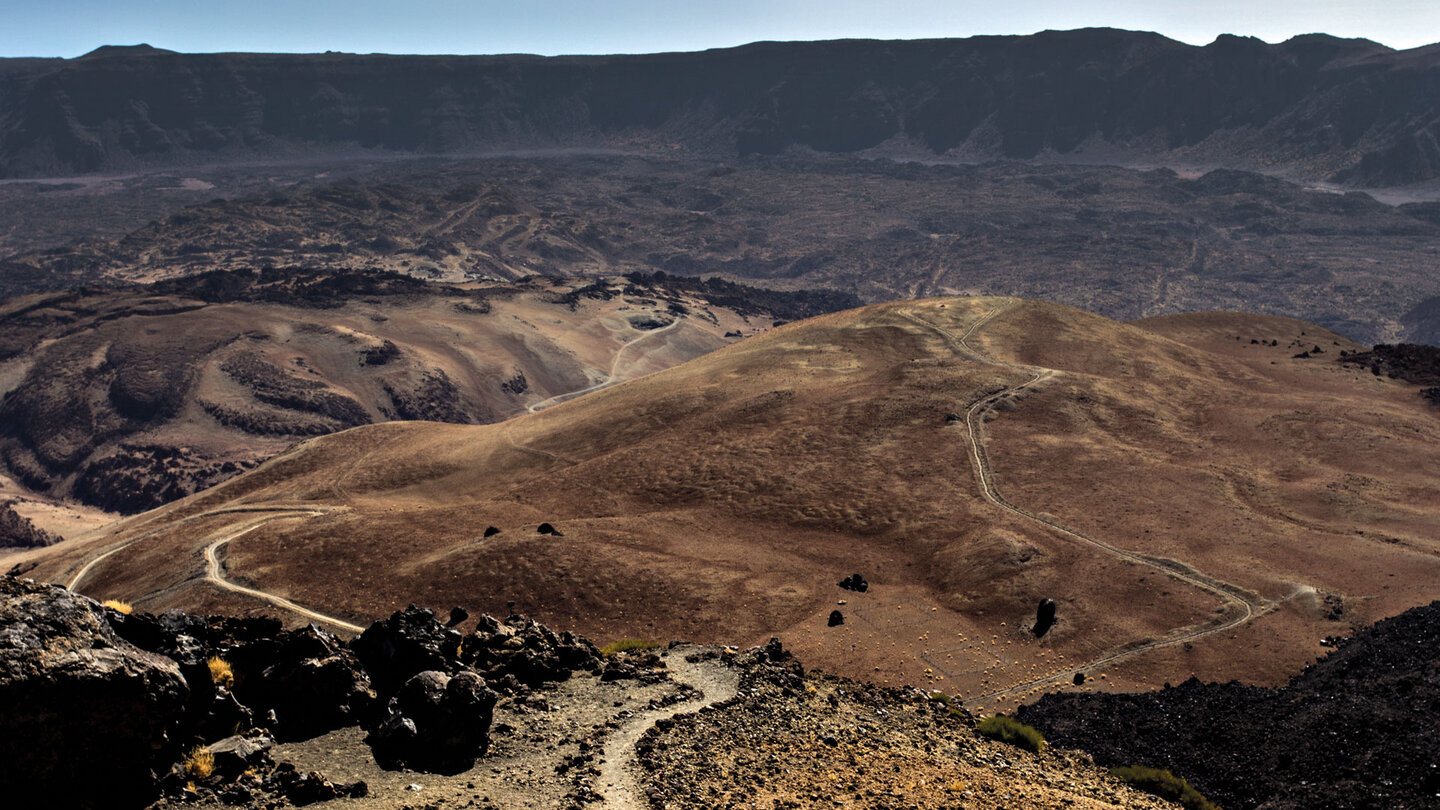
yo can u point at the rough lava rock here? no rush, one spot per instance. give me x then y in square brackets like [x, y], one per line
[86, 718]
[308, 678]
[436, 723]
[407, 643]
[527, 650]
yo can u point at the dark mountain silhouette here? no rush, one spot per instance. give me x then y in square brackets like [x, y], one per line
[1314, 106]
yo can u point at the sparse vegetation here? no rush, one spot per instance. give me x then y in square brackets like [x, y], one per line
[627, 645]
[1164, 784]
[118, 606]
[199, 763]
[1012, 731]
[220, 672]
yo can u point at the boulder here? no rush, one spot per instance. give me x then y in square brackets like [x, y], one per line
[836, 619]
[1044, 617]
[436, 723]
[854, 582]
[491, 531]
[457, 615]
[86, 718]
[409, 642]
[237, 754]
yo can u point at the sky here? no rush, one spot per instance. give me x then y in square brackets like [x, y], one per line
[73, 27]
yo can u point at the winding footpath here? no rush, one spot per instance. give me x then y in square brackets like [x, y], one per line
[215, 570]
[1241, 606]
[619, 780]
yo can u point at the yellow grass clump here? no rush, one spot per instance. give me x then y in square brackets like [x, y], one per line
[220, 672]
[118, 606]
[199, 763]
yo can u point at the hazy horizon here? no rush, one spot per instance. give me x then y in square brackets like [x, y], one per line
[70, 28]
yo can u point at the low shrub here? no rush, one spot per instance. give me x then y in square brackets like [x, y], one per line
[627, 645]
[220, 672]
[199, 763]
[118, 606]
[1164, 784]
[1012, 731]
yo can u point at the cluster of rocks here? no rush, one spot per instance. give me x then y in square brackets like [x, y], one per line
[854, 582]
[98, 707]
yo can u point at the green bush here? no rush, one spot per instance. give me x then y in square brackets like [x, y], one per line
[1012, 731]
[627, 645]
[1164, 784]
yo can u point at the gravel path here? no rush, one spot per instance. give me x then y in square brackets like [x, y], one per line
[619, 782]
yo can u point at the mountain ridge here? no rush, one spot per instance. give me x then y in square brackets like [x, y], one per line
[1314, 106]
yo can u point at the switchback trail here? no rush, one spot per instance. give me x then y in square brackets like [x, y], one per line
[214, 570]
[1241, 605]
[619, 781]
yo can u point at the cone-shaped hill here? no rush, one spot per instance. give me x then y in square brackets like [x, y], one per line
[1193, 498]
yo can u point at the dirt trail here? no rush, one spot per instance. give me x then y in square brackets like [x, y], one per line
[1241, 605]
[619, 780]
[614, 370]
[214, 574]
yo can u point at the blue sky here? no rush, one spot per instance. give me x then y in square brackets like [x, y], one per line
[72, 27]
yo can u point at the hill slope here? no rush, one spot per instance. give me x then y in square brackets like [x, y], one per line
[127, 399]
[1315, 105]
[1193, 501]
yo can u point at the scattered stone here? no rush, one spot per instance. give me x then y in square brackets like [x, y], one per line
[1079, 679]
[836, 619]
[491, 531]
[546, 528]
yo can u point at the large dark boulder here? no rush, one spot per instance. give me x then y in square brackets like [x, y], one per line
[86, 718]
[407, 643]
[436, 723]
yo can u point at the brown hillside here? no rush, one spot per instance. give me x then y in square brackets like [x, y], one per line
[1193, 503]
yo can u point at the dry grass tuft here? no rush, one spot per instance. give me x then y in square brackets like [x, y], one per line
[199, 763]
[220, 672]
[118, 606]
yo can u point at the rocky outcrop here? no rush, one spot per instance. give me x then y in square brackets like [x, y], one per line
[16, 530]
[86, 718]
[526, 650]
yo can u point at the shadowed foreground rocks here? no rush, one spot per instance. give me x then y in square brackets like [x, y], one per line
[100, 708]
[86, 718]
[1359, 728]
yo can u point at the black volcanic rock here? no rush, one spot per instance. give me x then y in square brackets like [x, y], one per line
[409, 642]
[436, 723]
[86, 718]
[1347, 107]
[1357, 729]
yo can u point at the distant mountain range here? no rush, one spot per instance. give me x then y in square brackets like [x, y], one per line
[1318, 107]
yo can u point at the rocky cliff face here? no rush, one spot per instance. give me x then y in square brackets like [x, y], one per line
[1316, 105]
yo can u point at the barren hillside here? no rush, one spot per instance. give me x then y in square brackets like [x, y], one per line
[1193, 498]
